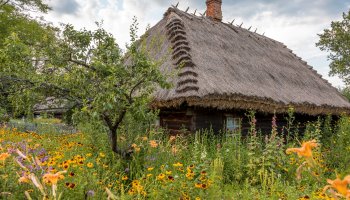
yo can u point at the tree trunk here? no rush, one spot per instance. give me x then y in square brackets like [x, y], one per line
[113, 130]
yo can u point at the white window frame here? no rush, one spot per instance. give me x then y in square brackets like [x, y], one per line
[235, 123]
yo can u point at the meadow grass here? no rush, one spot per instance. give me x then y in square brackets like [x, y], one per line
[197, 166]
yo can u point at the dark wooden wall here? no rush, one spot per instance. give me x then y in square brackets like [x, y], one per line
[192, 119]
[209, 119]
[177, 120]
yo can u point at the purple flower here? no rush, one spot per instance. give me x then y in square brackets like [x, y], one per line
[126, 170]
[90, 193]
[11, 150]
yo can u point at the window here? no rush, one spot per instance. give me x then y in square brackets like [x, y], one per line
[157, 122]
[232, 123]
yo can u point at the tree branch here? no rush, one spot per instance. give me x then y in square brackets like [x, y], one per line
[134, 88]
[4, 3]
[119, 119]
[81, 63]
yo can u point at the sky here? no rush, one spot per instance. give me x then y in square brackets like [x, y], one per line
[295, 23]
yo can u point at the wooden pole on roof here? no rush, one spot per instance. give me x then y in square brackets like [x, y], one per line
[255, 30]
[249, 28]
[187, 9]
[195, 12]
[240, 25]
[176, 5]
[232, 21]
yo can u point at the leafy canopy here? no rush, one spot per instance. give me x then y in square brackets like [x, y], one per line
[26, 5]
[336, 40]
[15, 25]
[87, 71]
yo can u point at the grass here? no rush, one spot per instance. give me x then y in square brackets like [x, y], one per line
[199, 166]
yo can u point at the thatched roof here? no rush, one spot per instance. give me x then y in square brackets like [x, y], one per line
[223, 66]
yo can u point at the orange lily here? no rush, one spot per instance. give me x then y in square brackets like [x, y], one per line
[341, 186]
[153, 143]
[53, 178]
[305, 150]
[3, 156]
[24, 179]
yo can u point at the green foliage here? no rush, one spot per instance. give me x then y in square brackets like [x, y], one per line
[26, 5]
[21, 46]
[336, 40]
[88, 70]
[338, 147]
[345, 92]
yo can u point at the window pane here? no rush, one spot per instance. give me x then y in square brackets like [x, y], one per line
[232, 123]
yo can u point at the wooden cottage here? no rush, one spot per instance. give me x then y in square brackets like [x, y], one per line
[222, 70]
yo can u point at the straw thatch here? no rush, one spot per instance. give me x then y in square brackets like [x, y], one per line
[223, 66]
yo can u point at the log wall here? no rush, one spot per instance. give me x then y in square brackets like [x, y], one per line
[193, 119]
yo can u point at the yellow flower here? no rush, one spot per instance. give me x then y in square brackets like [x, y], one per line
[102, 155]
[204, 186]
[160, 177]
[150, 168]
[341, 186]
[124, 178]
[89, 155]
[53, 178]
[135, 183]
[190, 176]
[178, 164]
[197, 198]
[153, 143]
[149, 175]
[168, 172]
[131, 191]
[90, 165]
[3, 156]
[198, 185]
[305, 150]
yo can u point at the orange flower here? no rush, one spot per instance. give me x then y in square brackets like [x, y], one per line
[53, 178]
[24, 179]
[305, 150]
[172, 138]
[3, 156]
[174, 150]
[153, 143]
[341, 186]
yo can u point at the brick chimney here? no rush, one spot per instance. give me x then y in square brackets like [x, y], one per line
[214, 9]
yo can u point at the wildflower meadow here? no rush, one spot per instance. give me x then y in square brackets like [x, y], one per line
[311, 165]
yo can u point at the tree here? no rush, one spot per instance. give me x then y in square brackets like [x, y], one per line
[86, 68]
[32, 33]
[25, 5]
[336, 40]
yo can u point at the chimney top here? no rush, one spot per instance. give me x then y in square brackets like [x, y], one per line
[214, 9]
